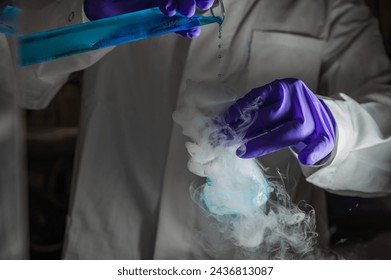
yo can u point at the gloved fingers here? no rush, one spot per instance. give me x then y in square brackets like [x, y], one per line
[278, 109]
[286, 135]
[95, 9]
[266, 94]
[239, 118]
[169, 7]
[267, 119]
[251, 102]
[191, 33]
[134, 5]
[122, 7]
[205, 4]
[316, 150]
[187, 7]
[250, 116]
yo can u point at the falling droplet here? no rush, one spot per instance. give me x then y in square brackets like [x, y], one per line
[220, 56]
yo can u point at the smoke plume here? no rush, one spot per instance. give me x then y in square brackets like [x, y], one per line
[250, 212]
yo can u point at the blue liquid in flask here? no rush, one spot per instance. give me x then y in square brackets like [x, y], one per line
[79, 38]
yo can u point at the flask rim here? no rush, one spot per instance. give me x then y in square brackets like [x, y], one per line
[222, 8]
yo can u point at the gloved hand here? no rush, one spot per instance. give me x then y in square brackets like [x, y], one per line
[282, 114]
[97, 9]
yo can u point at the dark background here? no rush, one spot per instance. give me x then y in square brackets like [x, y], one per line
[361, 228]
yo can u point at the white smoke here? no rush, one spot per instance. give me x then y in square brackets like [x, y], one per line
[247, 209]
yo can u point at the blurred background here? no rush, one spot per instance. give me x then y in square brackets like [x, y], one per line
[51, 143]
[360, 228]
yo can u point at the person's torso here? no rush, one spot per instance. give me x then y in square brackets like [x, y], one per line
[131, 186]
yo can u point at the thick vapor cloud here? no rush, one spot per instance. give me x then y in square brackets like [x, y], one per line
[248, 211]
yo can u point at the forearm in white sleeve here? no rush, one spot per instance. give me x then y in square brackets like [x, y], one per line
[42, 81]
[356, 64]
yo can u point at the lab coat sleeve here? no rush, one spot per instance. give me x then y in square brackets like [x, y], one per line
[357, 68]
[42, 81]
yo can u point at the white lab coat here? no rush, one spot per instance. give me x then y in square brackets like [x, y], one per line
[13, 202]
[130, 195]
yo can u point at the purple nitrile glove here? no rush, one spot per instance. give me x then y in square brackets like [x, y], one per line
[97, 9]
[284, 113]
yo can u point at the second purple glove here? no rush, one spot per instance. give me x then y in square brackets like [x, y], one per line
[282, 114]
[97, 9]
